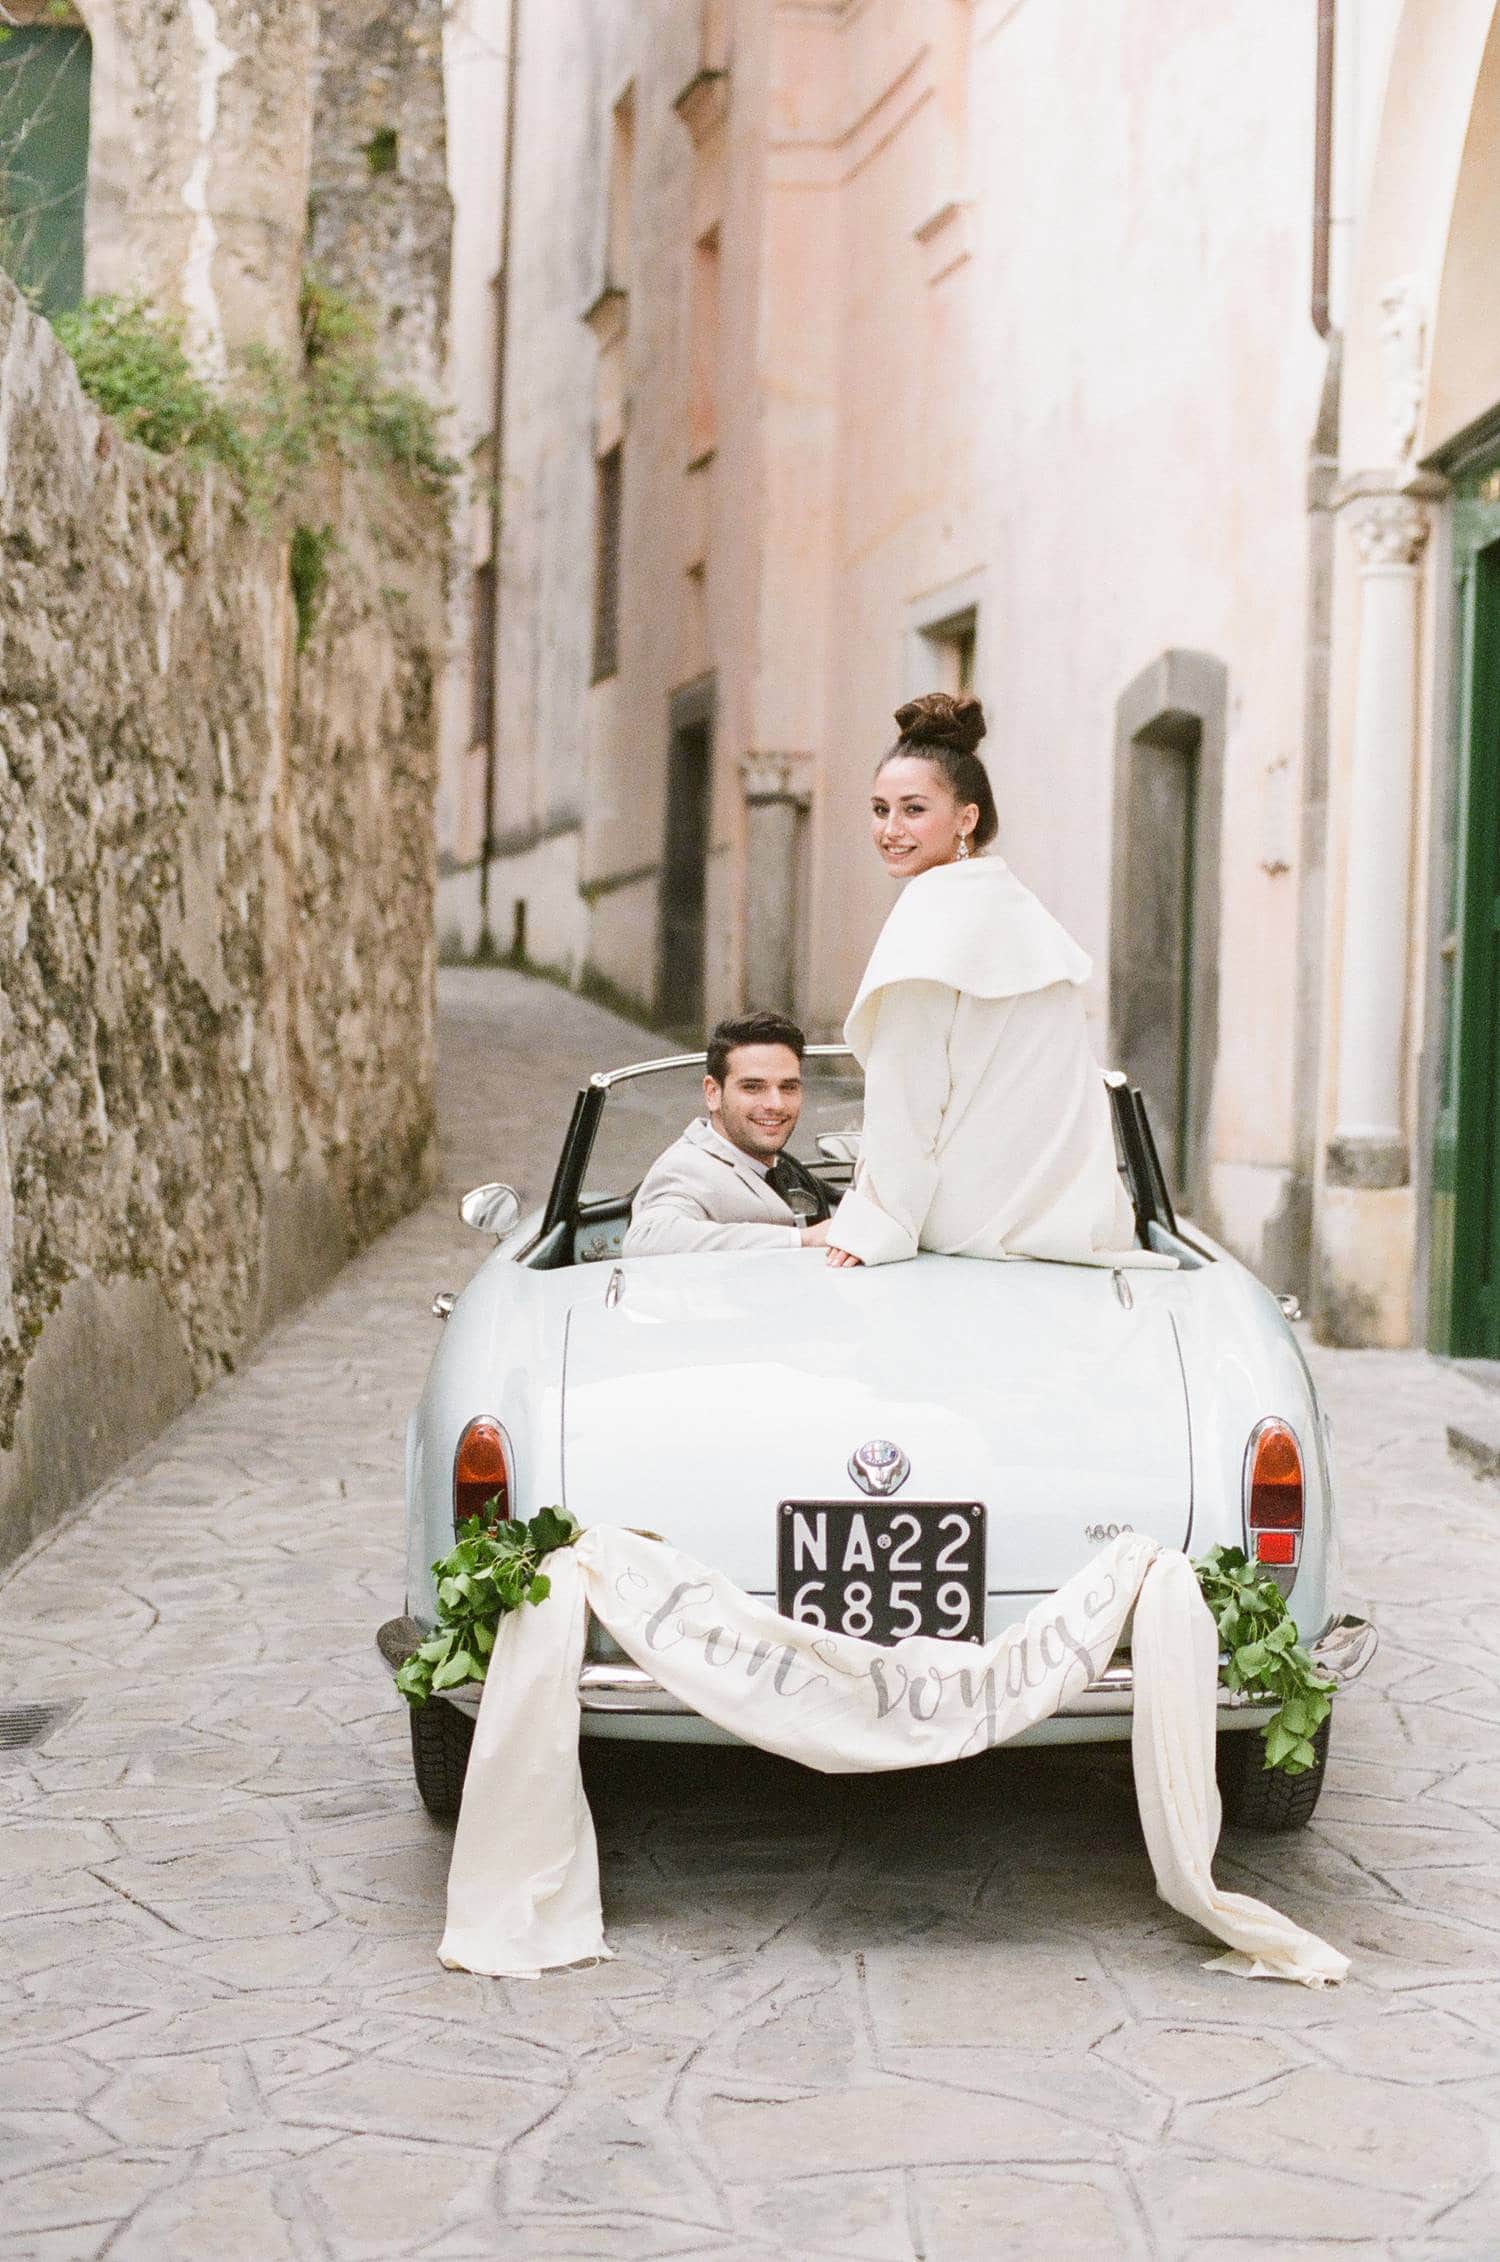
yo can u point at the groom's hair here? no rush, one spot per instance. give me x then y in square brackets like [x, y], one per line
[750, 1029]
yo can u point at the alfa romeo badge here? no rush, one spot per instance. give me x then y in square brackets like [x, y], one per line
[879, 1467]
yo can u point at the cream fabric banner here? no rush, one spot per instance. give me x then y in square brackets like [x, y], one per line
[523, 1888]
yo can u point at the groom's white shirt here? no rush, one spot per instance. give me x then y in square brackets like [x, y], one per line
[705, 1193]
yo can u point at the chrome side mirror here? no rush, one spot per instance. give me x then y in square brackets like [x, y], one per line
[490, 1209]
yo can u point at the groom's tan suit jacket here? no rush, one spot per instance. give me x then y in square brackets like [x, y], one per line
[703, 1193]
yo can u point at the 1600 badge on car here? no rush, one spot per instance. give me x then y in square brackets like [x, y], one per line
[882, 1572]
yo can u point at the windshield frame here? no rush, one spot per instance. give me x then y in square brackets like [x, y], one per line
[1145, 1179]
[578, 1142]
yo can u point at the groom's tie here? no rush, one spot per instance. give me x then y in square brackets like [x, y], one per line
[797, 1188]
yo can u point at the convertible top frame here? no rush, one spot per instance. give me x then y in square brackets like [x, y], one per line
[1145, 1179]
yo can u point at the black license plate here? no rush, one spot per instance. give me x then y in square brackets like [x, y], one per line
[884, 1569]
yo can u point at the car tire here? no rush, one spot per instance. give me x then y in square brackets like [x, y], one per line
[441, 1736]
[1257, 1797]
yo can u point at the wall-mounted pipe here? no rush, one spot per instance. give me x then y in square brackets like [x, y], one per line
[1322, 212]
[491, 625]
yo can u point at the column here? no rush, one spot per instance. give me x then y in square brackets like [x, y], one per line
[1368, 1148]
[775, 799]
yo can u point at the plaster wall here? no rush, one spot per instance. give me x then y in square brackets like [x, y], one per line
[905, 520]
[1151, 387]
[200, 148]
[216, 883]
[571, 752]
[544, 878]
[1429, 134]
[475, 34]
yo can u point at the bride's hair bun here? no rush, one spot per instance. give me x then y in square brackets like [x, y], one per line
[944, 728]
[941, 718]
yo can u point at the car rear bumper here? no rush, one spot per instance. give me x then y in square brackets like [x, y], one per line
[619, 1690]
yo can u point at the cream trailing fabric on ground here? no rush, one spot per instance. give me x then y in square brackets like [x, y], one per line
[523, 1889]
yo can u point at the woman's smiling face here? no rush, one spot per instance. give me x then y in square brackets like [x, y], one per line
[915, 817]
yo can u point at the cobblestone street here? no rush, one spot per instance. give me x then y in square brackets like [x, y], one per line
[939, 2016]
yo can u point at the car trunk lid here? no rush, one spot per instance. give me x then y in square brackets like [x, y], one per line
[711, 1390]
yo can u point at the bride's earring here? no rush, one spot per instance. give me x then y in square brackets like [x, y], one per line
[963, 846]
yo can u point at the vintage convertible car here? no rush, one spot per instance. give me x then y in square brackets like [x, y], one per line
[922, 1447]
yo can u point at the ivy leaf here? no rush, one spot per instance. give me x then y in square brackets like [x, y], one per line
[552, 1528]
[490, 1571]
[414, 1679]
[1280, 1743]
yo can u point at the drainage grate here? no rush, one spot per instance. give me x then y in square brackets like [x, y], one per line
[23, 1726]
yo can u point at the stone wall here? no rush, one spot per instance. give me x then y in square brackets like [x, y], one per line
[380, 215]
[216, 886]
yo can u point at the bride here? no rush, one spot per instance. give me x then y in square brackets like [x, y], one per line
[987, 1129]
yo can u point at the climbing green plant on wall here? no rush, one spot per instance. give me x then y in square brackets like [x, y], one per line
[276, 414]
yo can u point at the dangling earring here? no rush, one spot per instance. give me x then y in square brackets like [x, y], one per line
[963, 847]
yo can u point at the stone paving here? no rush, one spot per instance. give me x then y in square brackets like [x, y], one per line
[939, 2016]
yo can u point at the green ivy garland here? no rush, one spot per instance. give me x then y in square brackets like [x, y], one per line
[1263, 1656]
[491, 1572]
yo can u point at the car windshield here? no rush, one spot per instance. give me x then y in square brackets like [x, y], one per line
[643, 1114]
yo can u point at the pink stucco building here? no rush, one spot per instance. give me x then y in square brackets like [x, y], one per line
[1133, 362]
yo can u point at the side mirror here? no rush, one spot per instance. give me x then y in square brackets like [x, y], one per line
[838, 1146]
[490, 1209]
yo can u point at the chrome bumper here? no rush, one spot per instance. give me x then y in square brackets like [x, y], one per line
[1341, 1653]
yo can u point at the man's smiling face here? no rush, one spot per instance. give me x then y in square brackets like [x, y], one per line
[757, 1105]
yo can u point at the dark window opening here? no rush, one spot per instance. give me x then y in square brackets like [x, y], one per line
[607, 496]
[951, 647]
[482, 658]
[1154, 969]
[684, 878]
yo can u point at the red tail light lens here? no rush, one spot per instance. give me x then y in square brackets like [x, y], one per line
[481, 1473]
[1273, 1495]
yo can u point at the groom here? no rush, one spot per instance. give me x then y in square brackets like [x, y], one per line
[726, 1183]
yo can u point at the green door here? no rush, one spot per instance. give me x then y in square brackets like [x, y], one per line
[44, 160]
[1466, 1204]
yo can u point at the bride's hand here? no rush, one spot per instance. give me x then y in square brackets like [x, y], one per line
[843, 1257]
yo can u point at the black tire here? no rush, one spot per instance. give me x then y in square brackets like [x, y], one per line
[440, 1739]
[1257, 1797]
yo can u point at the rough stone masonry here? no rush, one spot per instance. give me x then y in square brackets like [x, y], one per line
[216, 883]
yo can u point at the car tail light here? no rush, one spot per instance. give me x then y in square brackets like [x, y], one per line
[1273, 1495]
[481, 1473]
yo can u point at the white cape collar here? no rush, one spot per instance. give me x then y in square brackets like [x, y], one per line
[973, 927]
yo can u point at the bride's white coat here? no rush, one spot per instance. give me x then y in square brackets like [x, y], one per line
[986, 1128]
